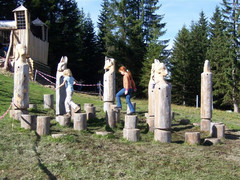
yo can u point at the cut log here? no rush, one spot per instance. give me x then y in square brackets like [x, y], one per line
[150, 122]
[130, 121]
[64, 120]
[131, 134]
[43, 125]
[48, 101]
[90, 111]
[80, 121]
[28, 121]
[192, 138]
[162, 136]
[87, 104]
[205, 125]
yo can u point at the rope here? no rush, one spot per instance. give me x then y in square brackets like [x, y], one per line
[46, 78]
[6, 112]
[46, 74]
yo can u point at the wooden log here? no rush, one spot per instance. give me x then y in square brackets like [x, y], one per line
[32, 106]
[131, 134]
[130, 121]
[90, 111]
[16, 114]
[109, 86]
[87, 104]
[150, 122]
[220, 130]
[64, 120]
[28, 121]
[80, 121]
[206, 92]
[107, 106]
[110, 118]
[48, 101]
[192, 138]
[151, 99]
[134, 106]
[43, 125]
[162, 136]
[205, 125]
[211, 141]
[162, 106]
[21, 85]
[60, 94]
[72, 111]
[116, 112]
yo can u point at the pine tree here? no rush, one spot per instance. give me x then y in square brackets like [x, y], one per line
[181, 64]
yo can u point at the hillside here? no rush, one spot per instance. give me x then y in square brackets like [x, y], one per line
[84, 155]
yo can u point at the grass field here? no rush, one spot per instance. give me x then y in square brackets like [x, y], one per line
[84, 155]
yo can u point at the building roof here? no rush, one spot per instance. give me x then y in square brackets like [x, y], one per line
[38, 22]
[5, 24]
[20, 8]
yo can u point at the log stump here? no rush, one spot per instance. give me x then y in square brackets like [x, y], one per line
[48, 101]
[17, 113]
[163, 136]
[87, 104]
[110, 118]
[90, 111]
[28, 121]
[205, 125]
[211, 141]
[192, 138]
[32, 106]
[80, 121]
[130, 121]
[116, 112]
[150, 122]
[72, 111]
[131, 134]
[43, 125]
[64, 120]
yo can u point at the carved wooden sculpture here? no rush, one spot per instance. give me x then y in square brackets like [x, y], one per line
[109, 83]
[61, 92]
[21, 79]
[206, 97]
[162, 94]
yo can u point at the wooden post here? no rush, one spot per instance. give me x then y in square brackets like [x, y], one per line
[28, 121]
[9, 50]
[163, 136]
[64, 120]
[17, 113]
[130, 121]
[206, 97]
[48, 101]
[90, 111]
[150, 122]
[110, 118]
[131, 134]
[116, 112]
[80, 121]
[43, 125]
[192, 138]
[87, 104]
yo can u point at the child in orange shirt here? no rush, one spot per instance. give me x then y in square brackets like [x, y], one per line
[128, 87]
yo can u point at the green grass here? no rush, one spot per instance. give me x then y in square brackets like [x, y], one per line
[84, 155]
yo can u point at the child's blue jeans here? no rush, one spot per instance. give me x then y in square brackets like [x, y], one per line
[128, 96]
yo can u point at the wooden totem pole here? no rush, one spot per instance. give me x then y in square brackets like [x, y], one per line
[21, 79]
[61, 92]
[206, 97]
[162, 94]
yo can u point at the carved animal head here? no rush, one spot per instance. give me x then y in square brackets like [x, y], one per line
[62, 65]
[160, 71]
[20, 51]
[109, 63]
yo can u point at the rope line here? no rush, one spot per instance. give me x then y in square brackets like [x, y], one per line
[6, 112]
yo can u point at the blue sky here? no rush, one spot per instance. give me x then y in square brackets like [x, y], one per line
[176, 13]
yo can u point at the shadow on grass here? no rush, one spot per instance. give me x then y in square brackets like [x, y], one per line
[232, 136]
[40, 164]
[176, 129]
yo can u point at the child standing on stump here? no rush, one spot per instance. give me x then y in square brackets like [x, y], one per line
[128, 87]
[69, 81]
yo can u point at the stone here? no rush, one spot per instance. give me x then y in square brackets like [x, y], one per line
[28, 121]
[184, 121]
[43, 125]
[131, 134]
[48, 101]
[162, 136]
[130, 121]
[61, 92]
[192, 138]
[80, 121]
[90, 111]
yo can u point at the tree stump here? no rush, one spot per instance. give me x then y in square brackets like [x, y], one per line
[131, 134]
[64, 120]
[110, 118]
[43, 125]
[87, 104]
[130, 121]
[17, 113]
[72, 112]
[205, 125]
[116, 112]
[162, 136]
[80, 121]
[107, 106]
[150, 122]
[192, 138]
[134, 106]
[28, 121]
[90, 111]
[48, 101]
[220, 130]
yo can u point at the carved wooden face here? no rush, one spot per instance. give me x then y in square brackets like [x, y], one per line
[108, 63]
[21, 49]
[161, 69]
